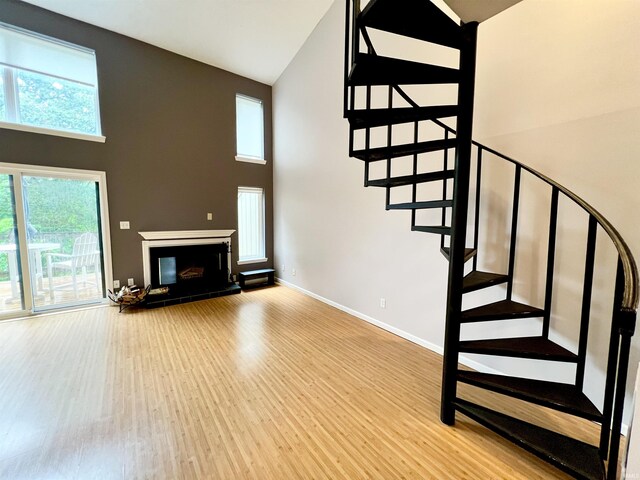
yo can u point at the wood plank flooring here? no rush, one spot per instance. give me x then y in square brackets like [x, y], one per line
[268, 384]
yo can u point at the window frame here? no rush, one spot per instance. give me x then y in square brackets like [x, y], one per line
[261, 226]
[18, 171]
[12, 100]
[250, 158]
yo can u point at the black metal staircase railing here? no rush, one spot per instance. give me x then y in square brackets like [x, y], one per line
[625, 302]
[423, 22]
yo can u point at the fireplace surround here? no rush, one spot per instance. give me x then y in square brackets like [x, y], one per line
[193, 265]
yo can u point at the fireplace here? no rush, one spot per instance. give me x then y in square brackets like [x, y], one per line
[190, 268]
[189, 265]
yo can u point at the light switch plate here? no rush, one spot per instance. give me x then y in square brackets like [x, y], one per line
[124, 226]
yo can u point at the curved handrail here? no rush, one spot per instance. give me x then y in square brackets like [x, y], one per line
[631, 293]
[630, 296]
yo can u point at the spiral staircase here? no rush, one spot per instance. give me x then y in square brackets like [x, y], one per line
[366, 73]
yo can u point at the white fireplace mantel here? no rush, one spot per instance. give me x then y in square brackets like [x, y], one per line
[184, 234]
[178, 238]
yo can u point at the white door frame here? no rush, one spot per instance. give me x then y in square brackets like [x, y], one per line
[17, 171]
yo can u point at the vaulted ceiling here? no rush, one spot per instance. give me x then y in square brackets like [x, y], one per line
[253, 38]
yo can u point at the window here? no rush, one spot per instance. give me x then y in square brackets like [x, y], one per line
[251, 225]
[249, 130]
[47, 86]
[49, 217]
[2, 101]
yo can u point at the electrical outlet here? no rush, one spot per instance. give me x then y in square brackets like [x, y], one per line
[383, 303]
[293, 272]
[130, 282]
[283, 267]
[209, 216]
[124, 226]
[116, 284]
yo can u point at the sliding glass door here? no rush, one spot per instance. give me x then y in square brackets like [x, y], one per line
[11, 291]
[53, 246]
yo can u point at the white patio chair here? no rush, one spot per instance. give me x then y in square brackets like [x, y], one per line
[85, 254]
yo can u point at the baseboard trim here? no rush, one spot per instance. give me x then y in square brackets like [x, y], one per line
[391, 329]
[477, 366]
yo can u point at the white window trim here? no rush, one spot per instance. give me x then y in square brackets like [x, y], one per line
[248, 158]
[52, 131]
[259, 161]
[249, 260]
[18, 170]
[12, 109]
[10, 95]
[252, 260]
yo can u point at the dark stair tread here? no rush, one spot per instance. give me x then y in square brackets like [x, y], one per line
[502, 310]
[420, 205]
[418, 19]
[410, 179]
[477, 280]
[438, 229]
[469, 253]
[559, 396]
[383, 153]
[539, 348]
[577, 458]
[376, 70]
[393, 116]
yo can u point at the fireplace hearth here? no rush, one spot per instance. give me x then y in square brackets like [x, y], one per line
[192, 265]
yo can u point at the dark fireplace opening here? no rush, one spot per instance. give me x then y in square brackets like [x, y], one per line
[190, 269]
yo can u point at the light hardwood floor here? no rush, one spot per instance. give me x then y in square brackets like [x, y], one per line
[268, 384]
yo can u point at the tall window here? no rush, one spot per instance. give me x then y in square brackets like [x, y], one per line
[249, 130]
[251, 225]
[47, 84]
[2, 101]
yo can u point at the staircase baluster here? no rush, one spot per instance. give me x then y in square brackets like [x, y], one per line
[347, 63]
[445, 166]
[351, 140]
[349, 92]
[514, 231]
[476, 224]
[551, 256]
[586, 301]
[614, 343]
[355, 46]
[389, 143]
[621, 383]
[367, 140]
[414, 193]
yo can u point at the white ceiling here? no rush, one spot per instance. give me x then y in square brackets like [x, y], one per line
[479, 10]
[253, 38]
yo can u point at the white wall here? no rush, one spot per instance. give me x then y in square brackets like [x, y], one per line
[334, 232]
[543, 96]
[557, 88]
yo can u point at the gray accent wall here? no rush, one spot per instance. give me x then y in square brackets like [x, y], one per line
[170, 128]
